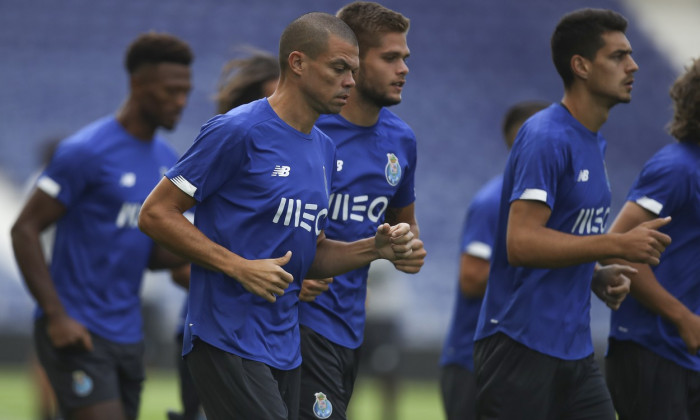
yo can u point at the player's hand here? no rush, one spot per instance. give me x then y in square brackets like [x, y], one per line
[64, 332]
[265, 277]
[644, 243]
[413, 263]
[394, 242]
[689, 330]
[311, 288]
[611, 283]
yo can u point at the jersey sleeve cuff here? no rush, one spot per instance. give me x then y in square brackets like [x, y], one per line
[49, 186]
[479, 250]
[184, 185]
[650, 204]
[534, 194]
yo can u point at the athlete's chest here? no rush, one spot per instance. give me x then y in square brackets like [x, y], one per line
[369, 167]
[299, 169]
[583, 195]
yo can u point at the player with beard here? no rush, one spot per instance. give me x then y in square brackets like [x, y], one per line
[260, 177]
[373, 182]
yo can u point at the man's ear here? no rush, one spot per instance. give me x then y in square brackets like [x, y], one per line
[296, 61]
[580, 66]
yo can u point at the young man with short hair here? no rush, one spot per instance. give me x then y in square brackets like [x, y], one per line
[373, 182]
[533, 352]
[88, 330]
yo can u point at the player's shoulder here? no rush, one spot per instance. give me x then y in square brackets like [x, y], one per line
[489, 193]
[550, 129]
[91, 139]
[389, 119]
[680, 158]
[236, 126]
[245, 116]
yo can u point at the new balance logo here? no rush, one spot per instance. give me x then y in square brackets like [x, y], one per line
[582, 176]
[281, 170]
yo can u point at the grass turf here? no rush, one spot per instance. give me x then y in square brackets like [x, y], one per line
[416, 400]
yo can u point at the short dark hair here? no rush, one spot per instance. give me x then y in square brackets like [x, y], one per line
[242, 80]
[518, 113]
[685, 93]
[309, 34]
[154, 48]
[581, 33]
[367, 19]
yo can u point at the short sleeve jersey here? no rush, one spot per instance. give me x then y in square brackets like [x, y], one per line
[478, 234]
[262, 189]
[559, 162]
[374, 170]
[102, 175]
[668, 185]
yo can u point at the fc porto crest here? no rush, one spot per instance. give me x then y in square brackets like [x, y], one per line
[82, 383]
[392, 171]
[322, 407]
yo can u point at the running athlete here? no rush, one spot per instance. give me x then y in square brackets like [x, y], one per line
[652, 366]
[457, 381]
[88, 330]
[242, 80]
[533, 351]
[373, 181]
[260, 176]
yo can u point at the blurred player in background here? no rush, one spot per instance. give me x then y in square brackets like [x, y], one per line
[652, 366]
[88, 330]
[533, 350]
[457, 381]
[244, 80]
[373, 182]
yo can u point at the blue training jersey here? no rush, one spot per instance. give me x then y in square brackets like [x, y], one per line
[668, 185]
[374, 170]
[262, 189]
[102, 175]
[478, 234]
[558, 161]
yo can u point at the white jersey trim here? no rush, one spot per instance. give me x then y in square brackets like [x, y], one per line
[184, 185]
[534, 194]
[49, 186]
[650, 204]
[479, 250]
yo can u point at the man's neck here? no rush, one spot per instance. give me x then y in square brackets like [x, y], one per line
[293, 111]
[130, 118]
[360, 111]
[587, 109]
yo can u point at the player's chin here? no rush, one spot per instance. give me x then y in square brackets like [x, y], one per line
[169, 124]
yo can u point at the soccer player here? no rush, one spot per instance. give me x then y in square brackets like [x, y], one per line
[652, 366]
[533, 351]
[260, 177]
[457, 381]
[242, 80]
[88, 330]
[373, 182]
